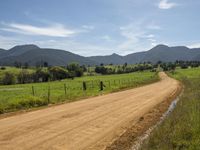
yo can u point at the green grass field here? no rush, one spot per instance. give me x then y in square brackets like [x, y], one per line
[23, 96]
[181, 129]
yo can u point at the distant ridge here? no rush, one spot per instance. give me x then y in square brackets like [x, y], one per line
[2, 51]
[157, 53]
[33, 54]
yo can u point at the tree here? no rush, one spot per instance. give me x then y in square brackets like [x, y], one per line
[41, 75]
[26, 65]
[58, 73]
[24, 77]
[184, 66]
[46, 64]
[17, 64]
[101, 69]
[84, 68]
[3, 68]
[8, 78]
[76, 69]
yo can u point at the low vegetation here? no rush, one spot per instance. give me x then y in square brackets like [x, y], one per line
[11, 75]
[24, 96]
[181, 129]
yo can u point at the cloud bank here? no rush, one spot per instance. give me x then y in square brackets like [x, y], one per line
[57, 30]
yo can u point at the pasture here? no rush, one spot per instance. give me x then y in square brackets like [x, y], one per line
[24, 96]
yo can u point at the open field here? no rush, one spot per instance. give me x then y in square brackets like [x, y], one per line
[89, 124]
[181, 129]
[22, 96]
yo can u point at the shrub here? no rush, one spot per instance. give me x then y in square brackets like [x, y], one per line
[24, 77]
[76, 69]
[58, 73]
[40, 75]
[3, 68]
[8, 78]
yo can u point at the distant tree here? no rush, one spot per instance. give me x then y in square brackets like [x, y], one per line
[72, 75]
[3, 68]
[76, 69]
[46, 64]
[124, 66]
[17, 64]
[84, 68]
[184, 66]
[58, 73]
[8, 78]
[101, 69]
[41, 75]
[26, 65]
[24, 77]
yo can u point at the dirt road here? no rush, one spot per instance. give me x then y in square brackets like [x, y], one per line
[88, 124]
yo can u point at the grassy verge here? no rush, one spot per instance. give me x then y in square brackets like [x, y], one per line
[25, 96]
[181, 129]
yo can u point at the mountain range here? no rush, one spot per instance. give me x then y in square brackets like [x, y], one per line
[33, 54]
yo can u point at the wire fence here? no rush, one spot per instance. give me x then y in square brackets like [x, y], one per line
[64, 90]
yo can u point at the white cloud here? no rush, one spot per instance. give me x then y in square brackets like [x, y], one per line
[195, 45]
[56, 30]
[164, 4]
[132, 33]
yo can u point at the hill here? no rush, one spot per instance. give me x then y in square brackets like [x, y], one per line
[33, 54]
[114, 59]
[2, 51]
[158, 53]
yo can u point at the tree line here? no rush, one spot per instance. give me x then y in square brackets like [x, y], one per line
[125, 68]
[43, 74]
[178, 63]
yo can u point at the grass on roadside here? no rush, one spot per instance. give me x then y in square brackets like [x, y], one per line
[181, 129]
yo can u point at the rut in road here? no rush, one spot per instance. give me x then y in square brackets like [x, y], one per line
[88, 124]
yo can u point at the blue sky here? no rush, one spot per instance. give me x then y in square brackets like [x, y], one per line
[99, 27]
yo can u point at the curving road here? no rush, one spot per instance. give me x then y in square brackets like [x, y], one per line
[88, 124]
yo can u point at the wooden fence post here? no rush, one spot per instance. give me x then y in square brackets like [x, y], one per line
[84, 88]
[33, 91]
[65, 88]
[102, 86]
[48, 94]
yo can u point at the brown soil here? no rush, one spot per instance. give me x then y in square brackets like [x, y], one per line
[91, 124]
